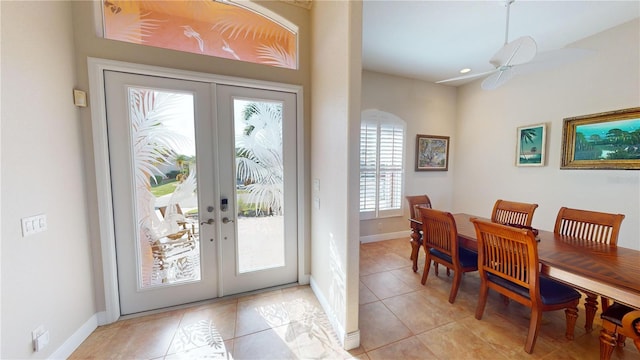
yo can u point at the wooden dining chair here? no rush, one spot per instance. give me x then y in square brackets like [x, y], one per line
[440, 240]
[618, 322]
[416, 238]
[589, 226]
[511, 212]
[508, 264]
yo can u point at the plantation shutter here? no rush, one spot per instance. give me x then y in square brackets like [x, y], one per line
[381, 165]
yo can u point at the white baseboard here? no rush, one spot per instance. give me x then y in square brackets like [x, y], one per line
[348, 341]
[385, 236]
[72, 343]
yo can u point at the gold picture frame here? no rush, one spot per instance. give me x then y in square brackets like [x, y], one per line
[608, 140]
[432, 153]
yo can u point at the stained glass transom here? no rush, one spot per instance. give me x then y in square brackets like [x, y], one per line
[220, 29]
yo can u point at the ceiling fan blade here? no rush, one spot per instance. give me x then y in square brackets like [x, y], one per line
[468, 76]
[519, 51]
[551, 59]
[497, 79]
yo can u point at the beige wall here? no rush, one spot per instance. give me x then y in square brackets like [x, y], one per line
[427, 109]
[336, 49]
[486, 136]
[46, 277]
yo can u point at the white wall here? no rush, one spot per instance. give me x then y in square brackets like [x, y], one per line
[46, 277]
[427, 109]
[485, 141]
[335, 78]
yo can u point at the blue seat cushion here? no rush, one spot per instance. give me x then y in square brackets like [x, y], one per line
[467, 257]
[615, 313]
[551, 292]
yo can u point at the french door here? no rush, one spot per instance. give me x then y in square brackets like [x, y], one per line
[203, 188]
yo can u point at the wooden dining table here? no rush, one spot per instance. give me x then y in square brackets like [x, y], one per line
[595, 268]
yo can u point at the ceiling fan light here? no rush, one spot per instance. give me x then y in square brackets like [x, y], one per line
[465, 70]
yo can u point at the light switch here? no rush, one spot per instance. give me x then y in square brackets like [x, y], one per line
[34, 224]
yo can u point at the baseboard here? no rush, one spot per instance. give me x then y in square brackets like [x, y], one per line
[72, 343]
[385, 236]
[348, 341]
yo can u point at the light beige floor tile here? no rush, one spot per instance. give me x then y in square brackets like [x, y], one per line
[379, 327]
[223, 352]
[276, 343]
[385, 284]
[261, 313]
[366, 296]
[406, 349]
[418, 314]
[454, 341]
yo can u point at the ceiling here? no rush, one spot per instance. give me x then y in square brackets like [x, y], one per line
[434, 40]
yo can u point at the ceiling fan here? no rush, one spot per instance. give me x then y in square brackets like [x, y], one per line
[512, 54]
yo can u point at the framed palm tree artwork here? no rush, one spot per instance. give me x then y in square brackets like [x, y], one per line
[531, 145]
[608, 140]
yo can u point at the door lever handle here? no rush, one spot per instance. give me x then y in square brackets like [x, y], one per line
[208, 222]
[226, 220]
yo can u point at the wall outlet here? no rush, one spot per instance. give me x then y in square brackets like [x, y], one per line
[40, 338]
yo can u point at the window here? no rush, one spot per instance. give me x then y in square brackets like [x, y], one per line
[242, 31]
[381, 164]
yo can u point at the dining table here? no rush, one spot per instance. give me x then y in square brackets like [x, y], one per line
[595, 268]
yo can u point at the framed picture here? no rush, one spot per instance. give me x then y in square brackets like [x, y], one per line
[609, 140]
[432, 153]
[531, 145]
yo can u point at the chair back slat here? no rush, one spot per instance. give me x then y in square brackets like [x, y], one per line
[415, 202]
[508, 253]
[511, 212]
[589, 225]
[439, 231]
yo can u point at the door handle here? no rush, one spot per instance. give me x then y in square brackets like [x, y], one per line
[226, 220]
[208, 222]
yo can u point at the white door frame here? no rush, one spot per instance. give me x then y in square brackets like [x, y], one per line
[102, 168]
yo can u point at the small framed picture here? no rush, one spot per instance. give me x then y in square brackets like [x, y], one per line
[432, 153]
[531, 145]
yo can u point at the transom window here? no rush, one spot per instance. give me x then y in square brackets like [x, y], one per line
[382, 138]
[221, 29]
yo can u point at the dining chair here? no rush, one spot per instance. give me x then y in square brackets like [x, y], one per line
[416, 238]
[508, 264]
[618, 322]
[511, 212]
[590, 226]
[440, 240]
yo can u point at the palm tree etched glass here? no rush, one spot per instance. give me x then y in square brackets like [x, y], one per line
[163, 151]
[259, 184]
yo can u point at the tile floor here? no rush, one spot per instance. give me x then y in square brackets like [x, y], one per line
[399, 319]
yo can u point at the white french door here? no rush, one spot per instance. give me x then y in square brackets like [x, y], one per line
[204, 189]
[258, 182]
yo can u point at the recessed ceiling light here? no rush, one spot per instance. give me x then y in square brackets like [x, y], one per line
[465, 70]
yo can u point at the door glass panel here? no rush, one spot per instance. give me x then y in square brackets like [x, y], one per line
[162, 134]
[259, 185]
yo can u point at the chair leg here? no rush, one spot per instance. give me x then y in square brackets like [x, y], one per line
[607, 340]
[455, 286]
[621, 339]
[482, 300]
[590, 307]
[571, 313]
[435, 268]
[534, 326]
[425, 272]
[415, 251]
